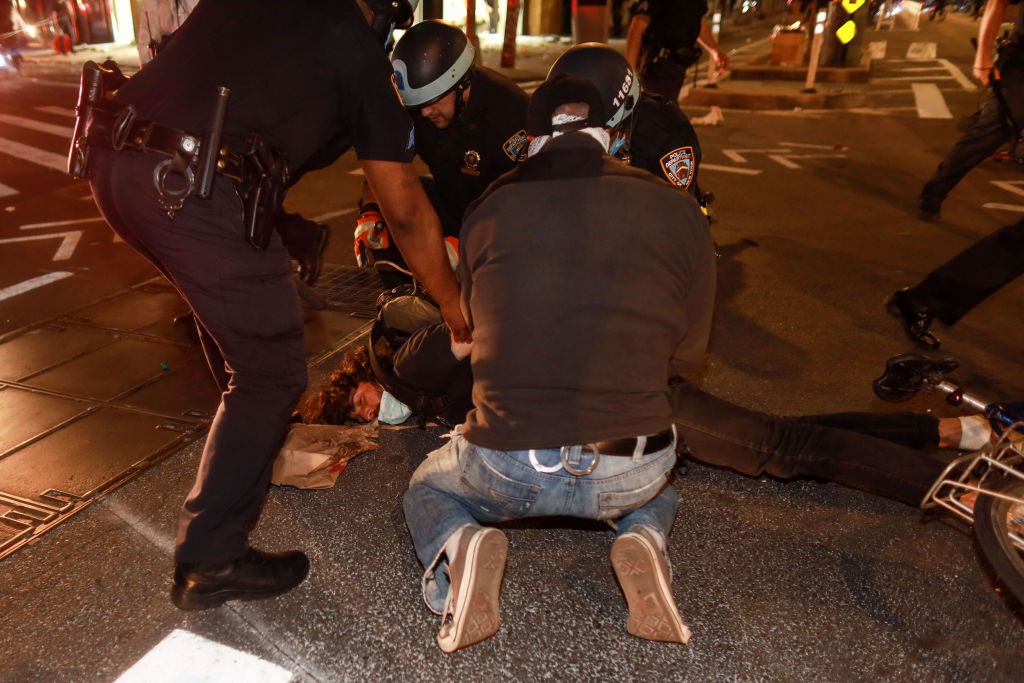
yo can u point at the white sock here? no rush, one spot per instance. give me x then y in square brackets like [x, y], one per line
[975, 432]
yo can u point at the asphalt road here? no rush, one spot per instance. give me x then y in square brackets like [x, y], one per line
[815, 221]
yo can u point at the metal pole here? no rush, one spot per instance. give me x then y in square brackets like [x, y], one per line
[816, 41]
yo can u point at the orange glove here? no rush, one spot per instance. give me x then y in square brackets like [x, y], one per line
[371, 233]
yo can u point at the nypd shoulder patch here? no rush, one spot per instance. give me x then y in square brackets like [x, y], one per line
[515, 147]
[678, 166]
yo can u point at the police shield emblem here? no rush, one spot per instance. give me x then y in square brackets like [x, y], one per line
[678, 166]
[515, 147]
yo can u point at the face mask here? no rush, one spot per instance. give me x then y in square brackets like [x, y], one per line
[392, 411]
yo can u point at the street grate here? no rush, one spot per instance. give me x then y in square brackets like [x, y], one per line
[350, 289]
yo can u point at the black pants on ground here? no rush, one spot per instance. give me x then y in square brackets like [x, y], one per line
[960, 284]
[251, 329]
[721, 433]
[990, 131]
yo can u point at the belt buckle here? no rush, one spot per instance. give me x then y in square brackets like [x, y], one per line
[577, 471]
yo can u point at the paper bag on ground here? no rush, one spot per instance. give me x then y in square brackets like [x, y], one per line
[313, 456]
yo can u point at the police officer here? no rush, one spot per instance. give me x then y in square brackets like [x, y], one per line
[648, 131]
[470, 124]
[1000, 118]
[661, 43]
[298, 77]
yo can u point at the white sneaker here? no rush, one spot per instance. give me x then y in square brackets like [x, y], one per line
[643, 574]
[471, 611]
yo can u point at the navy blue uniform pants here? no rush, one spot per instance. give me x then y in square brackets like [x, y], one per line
[251, 328]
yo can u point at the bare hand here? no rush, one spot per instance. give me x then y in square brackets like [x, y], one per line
[453, 317]
[721, 61]
[985, 70]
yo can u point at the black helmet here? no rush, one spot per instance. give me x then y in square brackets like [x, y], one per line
[609, 71]
[431, 59]
[398, 11]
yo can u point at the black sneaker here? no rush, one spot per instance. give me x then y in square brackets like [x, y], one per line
[254, 576]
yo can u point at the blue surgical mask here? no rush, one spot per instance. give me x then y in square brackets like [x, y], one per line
[392, 411]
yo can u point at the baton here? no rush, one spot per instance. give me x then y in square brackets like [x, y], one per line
[211, 145]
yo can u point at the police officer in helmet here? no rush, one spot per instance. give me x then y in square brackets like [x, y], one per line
[470, 126]
[186, 160]
[648, 131]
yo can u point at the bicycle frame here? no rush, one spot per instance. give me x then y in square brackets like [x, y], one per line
[974, 471]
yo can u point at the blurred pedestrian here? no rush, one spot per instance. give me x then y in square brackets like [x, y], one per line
[1000, 119]
[61, 16]
[662, 43]
[159, 19]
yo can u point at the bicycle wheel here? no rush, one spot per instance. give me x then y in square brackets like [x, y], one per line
[994, 520]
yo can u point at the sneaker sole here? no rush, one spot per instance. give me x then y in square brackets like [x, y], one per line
[477, 611]
[653, 614]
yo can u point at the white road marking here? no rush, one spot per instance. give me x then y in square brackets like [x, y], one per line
[56, 224]
[184, 656]
[921, 51]
[784, 159]
[1005, 207]
[34, 283]
[965, 83]
[735, 155]
[21, 121]
[59, 111]
[64, 251]
[1012, 186]
[913, 78]
[357, 171]
[812, 146]
[730, 169]
[6, 191]
[929, 101]
[164, 542]
[57, 162]
[876, 49]
[332, 214]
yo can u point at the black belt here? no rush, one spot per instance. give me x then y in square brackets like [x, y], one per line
[655, 442]
[149, 136]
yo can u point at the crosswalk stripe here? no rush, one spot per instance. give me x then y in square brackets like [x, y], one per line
[57, 162]
[53, 129]
[930, 103]
[921, 51]
[34, 283]
[7, 191]
[59, 111]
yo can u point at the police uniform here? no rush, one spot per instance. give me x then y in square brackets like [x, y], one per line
[664, 143]
[669, 45]
[305, 75]
[484, 141]
[991, 128]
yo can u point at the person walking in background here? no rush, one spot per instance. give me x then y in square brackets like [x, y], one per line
[661, 43]
[1000, 117]
[157, 21]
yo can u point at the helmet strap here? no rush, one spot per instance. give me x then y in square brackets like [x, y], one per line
[460, 96]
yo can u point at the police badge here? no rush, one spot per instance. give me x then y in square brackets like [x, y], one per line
[678, 166]
[471, 162]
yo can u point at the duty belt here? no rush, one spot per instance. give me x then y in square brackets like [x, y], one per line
[129, 132]
[616, 447]
[260, 171]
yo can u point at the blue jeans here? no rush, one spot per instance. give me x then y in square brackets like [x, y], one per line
[461, 484]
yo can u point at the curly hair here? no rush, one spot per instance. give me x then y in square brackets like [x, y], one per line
[332, 402]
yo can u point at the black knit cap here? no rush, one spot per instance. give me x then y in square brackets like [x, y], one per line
[563, 89]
